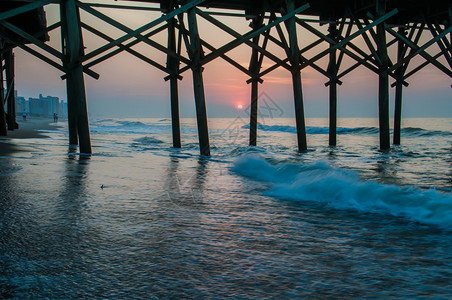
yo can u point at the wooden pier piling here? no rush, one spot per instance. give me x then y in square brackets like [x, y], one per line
[10, 91]
[397, 113]
[253, 112]
[198, 83]
[332, 71]
[73, 46]
[254, 68]
[450, 22]
[383, 78]
[173, 67]
[3, 128]
[296, 79]
[399, 73]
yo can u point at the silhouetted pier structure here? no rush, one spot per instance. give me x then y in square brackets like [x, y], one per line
[377, 24]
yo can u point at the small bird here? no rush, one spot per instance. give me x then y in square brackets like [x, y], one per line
[102, 186]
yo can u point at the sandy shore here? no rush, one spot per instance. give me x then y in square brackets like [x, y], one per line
[27, 129]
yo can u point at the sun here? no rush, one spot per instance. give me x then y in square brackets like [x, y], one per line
[239, 106]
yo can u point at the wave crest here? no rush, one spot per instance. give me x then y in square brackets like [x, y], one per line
[343, 189]
[147, 140]
[408, 131]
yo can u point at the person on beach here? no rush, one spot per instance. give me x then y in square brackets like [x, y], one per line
[55, 117]
[24, 115]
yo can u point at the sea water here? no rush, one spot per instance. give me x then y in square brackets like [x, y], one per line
[140, 219]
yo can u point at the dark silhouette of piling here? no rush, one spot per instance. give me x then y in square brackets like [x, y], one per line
[383, 78]
[198, 84]
[296, 79]
[254, 68]
[75, 83]
[10, 91]
[3, 128]
[332, 71]
[173, 67]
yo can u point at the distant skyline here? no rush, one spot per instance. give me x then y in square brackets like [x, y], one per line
[129, 88]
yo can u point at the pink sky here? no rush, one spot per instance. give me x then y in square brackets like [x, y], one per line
[129, 87]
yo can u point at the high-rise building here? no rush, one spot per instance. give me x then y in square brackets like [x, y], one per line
[42, 106]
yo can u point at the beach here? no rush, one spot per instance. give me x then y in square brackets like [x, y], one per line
[27, 129]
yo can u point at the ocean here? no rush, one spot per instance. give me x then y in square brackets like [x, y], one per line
[141, 220]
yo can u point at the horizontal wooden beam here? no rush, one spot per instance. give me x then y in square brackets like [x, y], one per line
[129, 30]
[338, 45]
[284, 44]
[125, 48]
[369, 44]
[47, 60]
[128, 7]
[32, 39]
[90, 72]
[275, 66]
[128, 45]
[25, 8]
[246, 38]
[36, 54]
[240, 39]
[358, 64]
[443, 44]
[418, 68]
[204, 43]
[366, 60]
[141, 29]
[339, 33]
[420, 50]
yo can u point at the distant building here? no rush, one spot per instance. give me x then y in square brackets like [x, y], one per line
[21, 104]
[42, 106]
[38, 107]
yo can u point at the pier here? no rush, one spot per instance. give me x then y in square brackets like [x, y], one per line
[364, 31]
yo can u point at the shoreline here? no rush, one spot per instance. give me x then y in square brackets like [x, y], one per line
[27, 130]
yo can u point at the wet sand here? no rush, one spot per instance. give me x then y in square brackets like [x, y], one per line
[27, 129]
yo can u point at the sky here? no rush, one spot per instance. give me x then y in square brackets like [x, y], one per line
[128, 87]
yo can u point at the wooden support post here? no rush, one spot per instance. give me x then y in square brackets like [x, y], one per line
[399, 73]
[253, 112]
[71, 102]
[450, 23]
[10, 93]
[198, 84]
[383, 85]
[72, 114]
[296, 78]
[76, 96]
[254, 69]
[333, 70]
[3, 129]
[397, 112]
[173, 66]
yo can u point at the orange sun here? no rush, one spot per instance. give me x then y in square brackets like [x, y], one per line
[239, 106]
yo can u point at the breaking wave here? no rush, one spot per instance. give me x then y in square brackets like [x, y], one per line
[148, 140]
[124, 126]
[409, 131]
[136, 127]
[416, 132]
[342, 189]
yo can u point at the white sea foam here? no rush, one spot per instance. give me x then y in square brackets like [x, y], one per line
[343, 189]
[135, 127]
[408, 131]
[314, 129]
